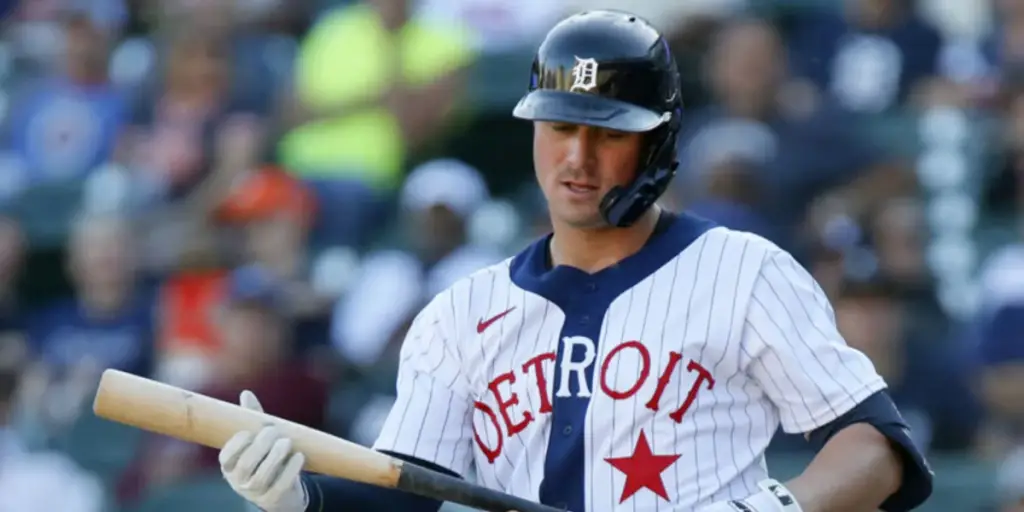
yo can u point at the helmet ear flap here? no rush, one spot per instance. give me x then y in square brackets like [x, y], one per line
[622, 206]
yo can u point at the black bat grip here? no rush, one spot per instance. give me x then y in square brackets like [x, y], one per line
[424, 482]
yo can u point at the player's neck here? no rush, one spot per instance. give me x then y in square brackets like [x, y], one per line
[593, 250]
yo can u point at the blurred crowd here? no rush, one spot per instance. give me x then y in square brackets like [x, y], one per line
[260, 194]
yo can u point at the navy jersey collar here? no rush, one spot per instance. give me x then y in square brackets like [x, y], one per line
[530, 270]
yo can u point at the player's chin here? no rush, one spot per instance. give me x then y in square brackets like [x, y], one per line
[583, 218]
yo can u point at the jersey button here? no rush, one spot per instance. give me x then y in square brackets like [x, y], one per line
[591, 287]
[567, 430]
[585, 319]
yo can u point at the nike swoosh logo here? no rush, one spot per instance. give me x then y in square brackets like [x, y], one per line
[482, 325]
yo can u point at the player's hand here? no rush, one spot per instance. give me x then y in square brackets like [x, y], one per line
[262, 468]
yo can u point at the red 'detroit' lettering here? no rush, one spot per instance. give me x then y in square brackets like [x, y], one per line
[505, 399]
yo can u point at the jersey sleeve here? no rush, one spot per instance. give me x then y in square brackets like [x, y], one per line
[795, 353]
[431, 418]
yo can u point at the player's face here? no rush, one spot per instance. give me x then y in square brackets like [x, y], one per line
[577, 165]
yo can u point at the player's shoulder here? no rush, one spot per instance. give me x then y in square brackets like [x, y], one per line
[483, 280]
[754, 248]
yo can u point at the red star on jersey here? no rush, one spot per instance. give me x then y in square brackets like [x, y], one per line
[643, 469]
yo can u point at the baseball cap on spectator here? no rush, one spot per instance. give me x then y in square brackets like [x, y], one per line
[446, 182]
[256, 286]
[264, 193]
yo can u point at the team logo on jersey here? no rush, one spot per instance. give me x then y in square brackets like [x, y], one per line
[584, 75]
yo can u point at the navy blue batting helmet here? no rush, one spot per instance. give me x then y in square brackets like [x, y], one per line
[613, 70]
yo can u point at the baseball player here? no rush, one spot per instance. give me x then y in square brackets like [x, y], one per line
[634, 360]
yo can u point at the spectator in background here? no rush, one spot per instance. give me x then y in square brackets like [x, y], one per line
[369, 323]
[926, 377]
[256, 347]
[38, 481]
[180, 128]
[804, 150]
[1001, 352]
[63, 126]
[259, 56]
[107, 323]
[354, 130]
[265, 215]
[258, 341]
[1004, 46]
[732, 195]
[1001, 277]
[897, 235]
[275, 213]
[871, 57]
[897, 230]
[187, 339]
[438, 202]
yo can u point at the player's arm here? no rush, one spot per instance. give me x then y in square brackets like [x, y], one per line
[832, 394]
[429, 425]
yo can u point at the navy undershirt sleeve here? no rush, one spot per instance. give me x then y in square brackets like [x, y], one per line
[879, 411]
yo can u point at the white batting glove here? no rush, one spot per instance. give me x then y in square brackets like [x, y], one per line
[262, 468]
[773, 497]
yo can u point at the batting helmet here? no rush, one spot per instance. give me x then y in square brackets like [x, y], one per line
[612, 70]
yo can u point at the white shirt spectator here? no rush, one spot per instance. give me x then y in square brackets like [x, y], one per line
[393, 284]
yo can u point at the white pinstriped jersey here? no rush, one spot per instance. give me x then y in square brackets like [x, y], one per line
[654, 385]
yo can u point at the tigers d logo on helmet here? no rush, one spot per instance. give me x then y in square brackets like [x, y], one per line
[584, 75]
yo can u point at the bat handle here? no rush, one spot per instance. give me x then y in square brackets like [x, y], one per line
[448, 488]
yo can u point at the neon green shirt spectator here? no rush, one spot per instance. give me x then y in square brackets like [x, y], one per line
[345, 60]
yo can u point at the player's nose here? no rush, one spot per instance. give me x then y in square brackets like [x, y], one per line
[581, 150]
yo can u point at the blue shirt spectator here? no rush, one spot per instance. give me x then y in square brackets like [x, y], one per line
[796, 157]
[868, 65]
[63, 130]
[65, 334]
[63, 126]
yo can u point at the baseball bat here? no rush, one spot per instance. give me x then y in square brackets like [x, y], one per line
[171, 411]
